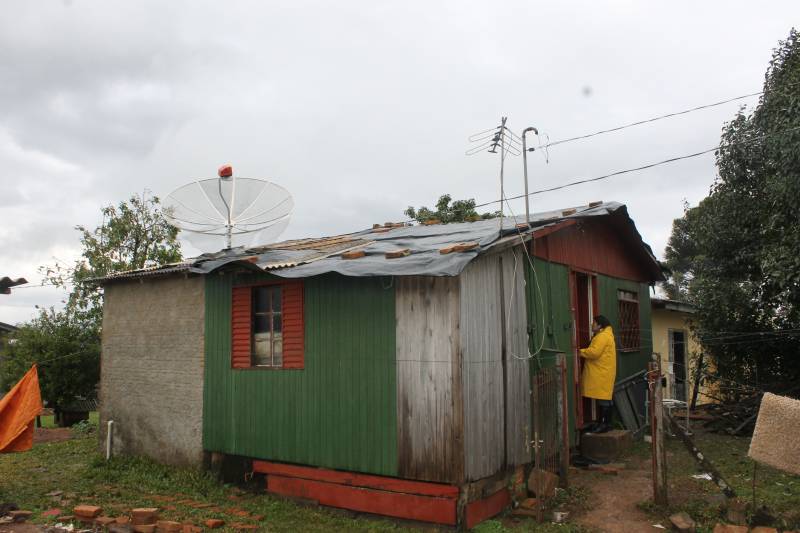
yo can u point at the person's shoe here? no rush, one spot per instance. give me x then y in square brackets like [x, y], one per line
[591, 428]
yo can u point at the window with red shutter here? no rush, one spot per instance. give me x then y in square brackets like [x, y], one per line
[628, 334]
[267, 326]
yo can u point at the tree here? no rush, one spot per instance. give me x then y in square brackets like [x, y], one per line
[134, 234]
[66, 344]
[458, 211]
[735, 255]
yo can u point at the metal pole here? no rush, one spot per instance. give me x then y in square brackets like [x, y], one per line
[525, 168]
[564, 411]
[502, 164]
[657, 434]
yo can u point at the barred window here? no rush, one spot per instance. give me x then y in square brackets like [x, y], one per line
[629, 334]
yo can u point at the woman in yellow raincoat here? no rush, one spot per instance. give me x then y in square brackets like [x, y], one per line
[600, 371]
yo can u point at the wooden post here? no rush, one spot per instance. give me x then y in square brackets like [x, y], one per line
[563, 411]
[657, 433]
[698, 375]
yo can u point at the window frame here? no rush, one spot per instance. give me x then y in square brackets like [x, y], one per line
[271, 314]
[293, 310]
[628, 331]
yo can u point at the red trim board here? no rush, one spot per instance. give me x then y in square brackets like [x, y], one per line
[396, 504]
[357, 480]
[480, 510]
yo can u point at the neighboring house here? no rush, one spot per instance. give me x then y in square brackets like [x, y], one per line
[5, 332]
[678, 348]
[389, 359]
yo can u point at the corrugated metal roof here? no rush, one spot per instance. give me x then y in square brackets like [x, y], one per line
[309, 257]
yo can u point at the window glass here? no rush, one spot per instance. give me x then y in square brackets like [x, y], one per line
[267, 326]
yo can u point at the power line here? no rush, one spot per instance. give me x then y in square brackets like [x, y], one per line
[649, 120]
[643, 167]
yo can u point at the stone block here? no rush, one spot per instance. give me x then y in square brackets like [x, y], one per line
[545, 481]
[214, 523]
[609, 446]
[764, 529]
[20, 516]
[144, 528]
[683, 522]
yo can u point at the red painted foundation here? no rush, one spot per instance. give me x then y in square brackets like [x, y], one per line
[480, 510]
[399, 498]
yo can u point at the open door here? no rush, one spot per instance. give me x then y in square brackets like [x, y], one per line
[584, 308]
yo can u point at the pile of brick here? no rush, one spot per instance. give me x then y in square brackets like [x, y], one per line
[141, 520]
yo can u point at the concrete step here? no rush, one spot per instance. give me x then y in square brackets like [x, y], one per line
[610, 446]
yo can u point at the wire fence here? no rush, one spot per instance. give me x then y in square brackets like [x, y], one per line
[550, 431]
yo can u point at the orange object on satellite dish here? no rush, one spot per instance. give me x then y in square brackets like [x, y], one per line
[225, 171]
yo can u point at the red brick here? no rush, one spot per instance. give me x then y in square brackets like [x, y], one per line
[144, 528]
[65, 518]
[51, 512]
[763, 529]
[144, 516]
[729, 528]
[87, 511]
[123, 520]
[243, 527]
[168, 526]
[214, 523]
[104, 520]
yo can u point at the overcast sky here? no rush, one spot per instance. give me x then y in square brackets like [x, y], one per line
[359, 109]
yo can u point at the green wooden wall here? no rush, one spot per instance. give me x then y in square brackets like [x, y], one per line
[339, 411]
[550, 300]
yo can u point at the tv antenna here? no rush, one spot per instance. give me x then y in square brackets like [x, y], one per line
[502, 138]
[237, 211]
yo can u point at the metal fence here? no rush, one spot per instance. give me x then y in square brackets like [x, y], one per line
[550, 429]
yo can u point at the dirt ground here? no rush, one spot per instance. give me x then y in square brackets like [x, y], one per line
[43, 435]
[612, 508]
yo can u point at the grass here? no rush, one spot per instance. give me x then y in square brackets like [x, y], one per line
[77, 469]
[778, 491]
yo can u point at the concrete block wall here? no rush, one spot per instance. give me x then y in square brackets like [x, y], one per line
[151, 377]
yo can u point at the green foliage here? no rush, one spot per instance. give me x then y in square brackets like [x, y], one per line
[134, 234]
[735, 255]
[446, 212]
[69, 343]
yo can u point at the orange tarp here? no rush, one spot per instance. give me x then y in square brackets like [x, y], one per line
[18, 410]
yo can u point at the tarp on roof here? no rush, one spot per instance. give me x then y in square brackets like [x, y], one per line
[312, 257]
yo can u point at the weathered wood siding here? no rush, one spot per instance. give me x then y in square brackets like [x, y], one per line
[429, 408]
[518, 416]
[481, 343]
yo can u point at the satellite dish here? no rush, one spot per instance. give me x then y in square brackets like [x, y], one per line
[229, 210]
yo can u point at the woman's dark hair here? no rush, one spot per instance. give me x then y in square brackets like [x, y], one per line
[603, 321]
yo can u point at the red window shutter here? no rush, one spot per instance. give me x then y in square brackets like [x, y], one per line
[241, 325]
[293, 328]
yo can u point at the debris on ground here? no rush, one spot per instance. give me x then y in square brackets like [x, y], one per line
[683, 522]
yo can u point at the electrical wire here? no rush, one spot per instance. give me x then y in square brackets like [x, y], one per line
[643, 167]
[653, 119]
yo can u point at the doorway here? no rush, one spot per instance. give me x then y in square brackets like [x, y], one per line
[677, 359]
[584, 308]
